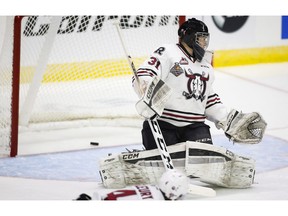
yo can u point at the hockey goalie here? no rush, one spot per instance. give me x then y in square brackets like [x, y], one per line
[175, 86]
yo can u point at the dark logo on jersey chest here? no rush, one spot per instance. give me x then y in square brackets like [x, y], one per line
[176, 69]
[196, 86]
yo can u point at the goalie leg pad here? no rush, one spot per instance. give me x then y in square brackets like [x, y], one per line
[138, 167]
[116, 173]
[219, 166]
[211, 164]
[242, 172]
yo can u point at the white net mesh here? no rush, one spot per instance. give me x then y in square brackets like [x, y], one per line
[74, 68]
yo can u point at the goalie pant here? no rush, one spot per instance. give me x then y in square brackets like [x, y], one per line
[136, 192]
[207, 163]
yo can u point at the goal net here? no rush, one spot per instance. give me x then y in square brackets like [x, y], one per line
[59, 70]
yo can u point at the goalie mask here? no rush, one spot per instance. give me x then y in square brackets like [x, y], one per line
[195, 34]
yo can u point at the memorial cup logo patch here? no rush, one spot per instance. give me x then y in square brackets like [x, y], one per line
[176, 69]
[196, 85]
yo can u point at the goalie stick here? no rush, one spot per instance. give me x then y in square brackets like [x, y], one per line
[201, 190]
[154, 126]
[156, 131]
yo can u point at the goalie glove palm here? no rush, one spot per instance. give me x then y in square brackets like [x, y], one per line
[244, 127]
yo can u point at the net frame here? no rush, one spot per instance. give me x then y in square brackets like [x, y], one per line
[16, 83]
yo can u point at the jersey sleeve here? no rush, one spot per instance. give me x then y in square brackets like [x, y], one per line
[215, 110]
[154, 65]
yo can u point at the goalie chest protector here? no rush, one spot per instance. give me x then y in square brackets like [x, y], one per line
[190, 80]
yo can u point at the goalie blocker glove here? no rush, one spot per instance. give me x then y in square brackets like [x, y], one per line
[241, 127]
[154, 99]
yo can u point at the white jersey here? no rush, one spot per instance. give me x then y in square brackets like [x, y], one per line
[193, 98]
[137, 192]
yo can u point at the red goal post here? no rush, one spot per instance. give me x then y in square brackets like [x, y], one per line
[47, 56]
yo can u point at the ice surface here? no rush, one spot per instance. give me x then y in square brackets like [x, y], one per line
[69, 166]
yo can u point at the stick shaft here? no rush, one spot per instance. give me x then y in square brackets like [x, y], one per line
[154, 126]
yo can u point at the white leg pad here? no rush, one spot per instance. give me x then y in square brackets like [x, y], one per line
[132, 168]
[211, 164]
[219, 166]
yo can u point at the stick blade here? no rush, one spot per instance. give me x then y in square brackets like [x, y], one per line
[201, 190]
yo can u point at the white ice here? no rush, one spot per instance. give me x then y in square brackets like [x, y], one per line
[262, 88]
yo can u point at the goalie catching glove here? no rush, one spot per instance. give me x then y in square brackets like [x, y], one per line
[154, 99]
[243, 127]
